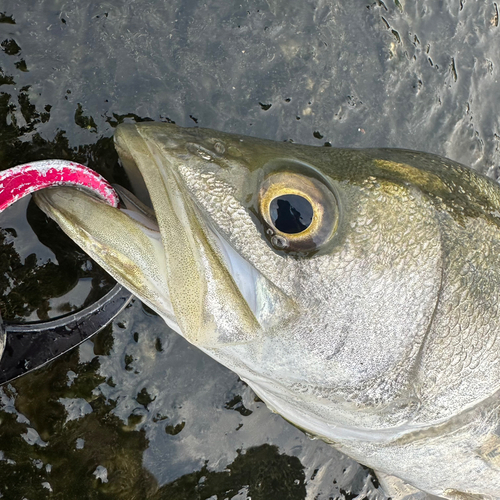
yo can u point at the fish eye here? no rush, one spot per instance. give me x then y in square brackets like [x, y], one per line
[299, 211]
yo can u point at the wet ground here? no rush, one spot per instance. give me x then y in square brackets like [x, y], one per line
[137, 412]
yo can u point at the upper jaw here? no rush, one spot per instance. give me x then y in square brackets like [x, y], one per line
[202, 270]
[174, 140]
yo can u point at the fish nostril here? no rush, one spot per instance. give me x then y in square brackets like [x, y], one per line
[203, 153]
[219, 148]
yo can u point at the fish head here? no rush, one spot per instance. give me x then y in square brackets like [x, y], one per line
[354, 290]
[311, 272]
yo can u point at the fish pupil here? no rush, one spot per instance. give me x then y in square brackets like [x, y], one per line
[291, 213]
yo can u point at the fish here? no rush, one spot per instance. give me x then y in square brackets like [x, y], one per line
[356, 291]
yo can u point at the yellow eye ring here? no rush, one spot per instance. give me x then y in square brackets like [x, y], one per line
[308, 231]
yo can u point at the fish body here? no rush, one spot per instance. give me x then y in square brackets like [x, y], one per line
[356, 291]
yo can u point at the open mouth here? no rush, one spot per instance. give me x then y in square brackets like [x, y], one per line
[203, 270]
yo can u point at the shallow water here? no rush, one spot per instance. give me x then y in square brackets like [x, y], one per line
[137, 412]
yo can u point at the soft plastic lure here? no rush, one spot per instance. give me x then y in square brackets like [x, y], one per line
[25, 347]
[17, 182]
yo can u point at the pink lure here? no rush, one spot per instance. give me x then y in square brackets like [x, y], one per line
[17, 182]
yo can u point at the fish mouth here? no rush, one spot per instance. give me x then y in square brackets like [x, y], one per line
[202, 270]
[161, 245]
